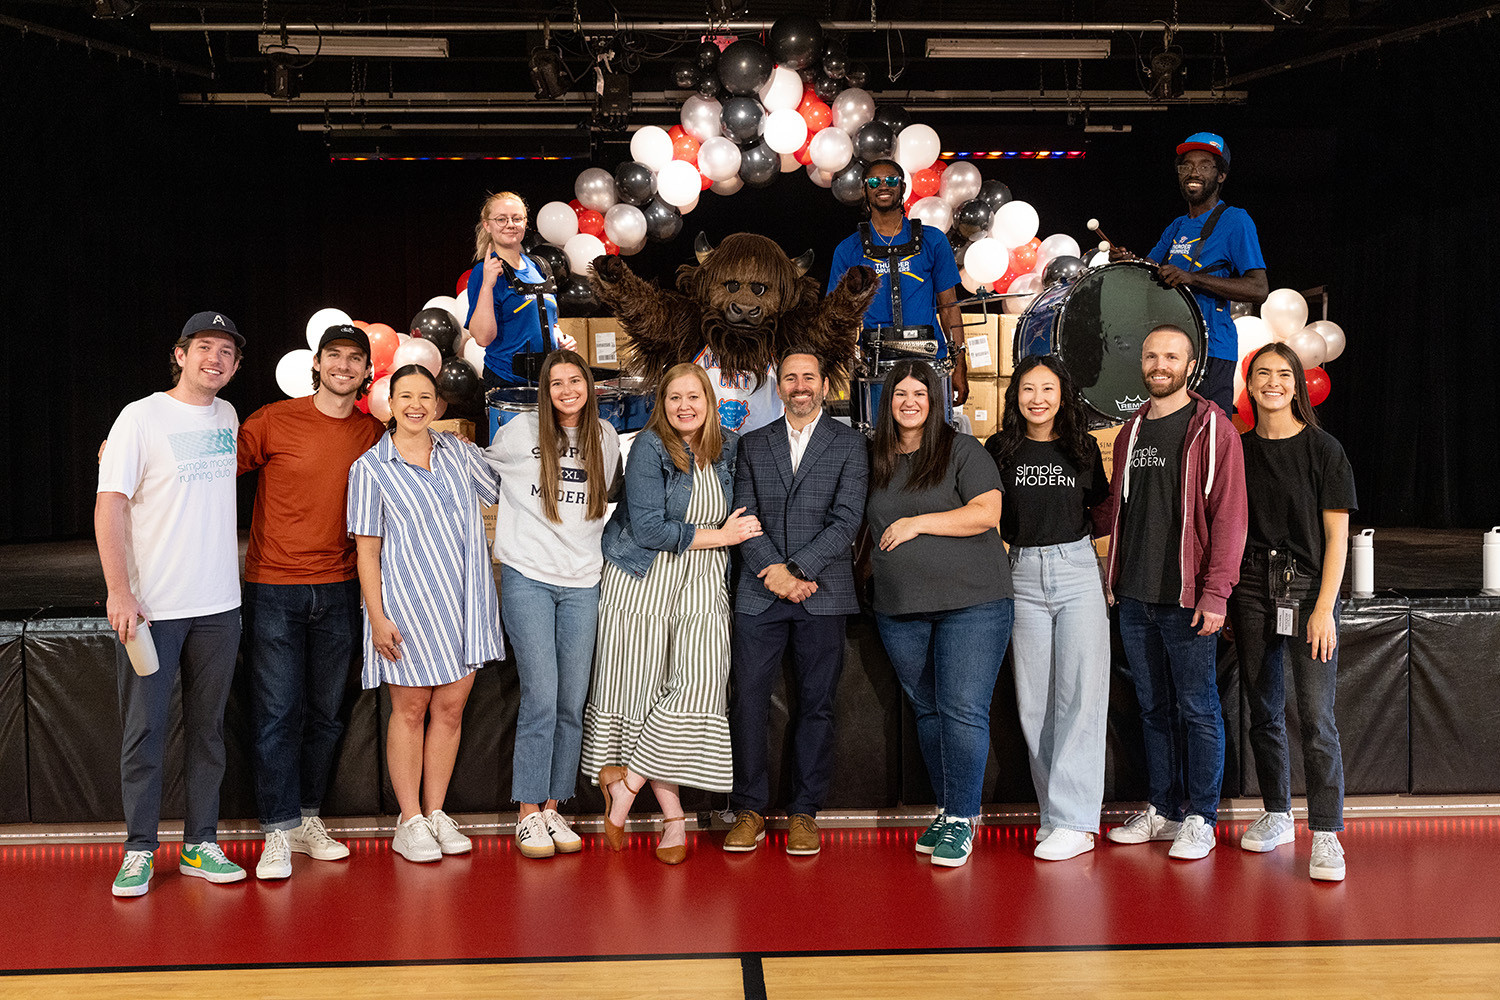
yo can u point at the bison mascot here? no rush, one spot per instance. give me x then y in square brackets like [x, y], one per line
[734, 313]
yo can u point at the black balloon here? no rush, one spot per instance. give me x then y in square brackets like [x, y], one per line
[531, 239]
[826, 88]
[893, 115]
[709, 86]
[457, 381]
[744, 67]
[874, 141]
[849, 184]
[741, 118]
[576, 298]
[973, 218]
[437, 326]
[706, 57]
[685, 75]
[759, 165]
[808, 74]
[796, 40]
[835, 61]
[857, 75]
[663, 222]
[554, 258]
[635, 182]
[993, 194]
[1063, 268]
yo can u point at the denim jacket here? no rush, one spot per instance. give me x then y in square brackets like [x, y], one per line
[649, 516]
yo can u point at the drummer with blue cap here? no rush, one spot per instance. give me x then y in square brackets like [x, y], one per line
[1214, 251]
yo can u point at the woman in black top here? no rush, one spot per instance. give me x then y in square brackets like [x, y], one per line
[1300, 490]
[1054, 477]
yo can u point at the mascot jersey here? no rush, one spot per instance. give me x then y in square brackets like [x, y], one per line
[742, 407]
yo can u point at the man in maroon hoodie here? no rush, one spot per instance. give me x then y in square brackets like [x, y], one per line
[1178, 520]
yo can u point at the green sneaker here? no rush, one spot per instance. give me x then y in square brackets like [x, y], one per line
[932, 835]
[207, 861]
[135, 874]
[956, 844]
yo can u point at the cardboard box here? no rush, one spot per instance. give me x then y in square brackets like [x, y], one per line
[578, 329]
[463, 428]
[986, 395]
[489, 514]
[606, 342]
[1106, 438]
[991, 343]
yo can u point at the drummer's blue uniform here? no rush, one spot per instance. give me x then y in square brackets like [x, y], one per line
[517, 329]
[1232, 249]
[924, 276]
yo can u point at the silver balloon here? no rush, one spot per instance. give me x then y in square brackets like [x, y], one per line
[821, 178]
[1310, 346]
[700, 118]
[595, 188]
[625, 225]
[831, 149]
[934, 212]
[719, 159]
[728, 186]
[960, 183]
[853, 108]
[1333, 337]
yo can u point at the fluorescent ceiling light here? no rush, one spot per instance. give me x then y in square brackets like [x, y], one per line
[1018, 48]
[372, 46]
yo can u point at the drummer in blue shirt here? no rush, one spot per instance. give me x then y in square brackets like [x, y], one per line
[502, 308]
[1214, 251]
[929, 273]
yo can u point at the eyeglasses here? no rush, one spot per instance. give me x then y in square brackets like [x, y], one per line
[519, 220]
[874, 183]
[1206, 169]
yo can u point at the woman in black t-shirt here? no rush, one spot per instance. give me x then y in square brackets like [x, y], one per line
[1300, 490]
[1054, 476]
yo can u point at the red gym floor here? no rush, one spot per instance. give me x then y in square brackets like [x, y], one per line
[1409, 880]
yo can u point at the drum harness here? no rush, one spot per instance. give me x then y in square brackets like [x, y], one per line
[1203, 235]
[538, 289]
[899, 338]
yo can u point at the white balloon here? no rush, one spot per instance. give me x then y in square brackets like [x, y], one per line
[1054, 246]
[831, 149]
[821, 178]
[380, 399]
[1333, 337]
[595, 188]
[967, 280]
[1309, 347]
[417, 351]
[1251, 334]
[473, 354]
[581, 251]
[960, 182]
[917, 148]
[1014, 223]
[557, 222]
[449, 303]
[782, 91]
[701, 117]
[853, 108]
[625, 225]
[987, 260]
[318, 325]
[728, 185]
[1286, 311]
[935, 212]
[678, 183]
[294, 373]
[652, 146]
[786, 130]
[461, 305]
[719, 159]
[1096, 258]
[1028, 283]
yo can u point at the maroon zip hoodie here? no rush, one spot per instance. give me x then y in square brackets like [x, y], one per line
[1214, 513]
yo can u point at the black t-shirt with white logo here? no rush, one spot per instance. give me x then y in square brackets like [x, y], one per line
[1047, 497]
[1289, 482]
[1152, 534]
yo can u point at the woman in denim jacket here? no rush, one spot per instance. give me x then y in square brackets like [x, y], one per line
[656, 711]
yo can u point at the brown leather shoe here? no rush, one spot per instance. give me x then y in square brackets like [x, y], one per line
[749, 830]
[802, 837]
[671, 855]
[614, 836]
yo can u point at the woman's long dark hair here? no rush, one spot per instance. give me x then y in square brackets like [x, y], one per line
[552, 440]
[930, 461]
[1070, 424]
[1302, 407]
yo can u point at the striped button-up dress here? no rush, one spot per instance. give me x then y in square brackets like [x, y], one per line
[435, 577]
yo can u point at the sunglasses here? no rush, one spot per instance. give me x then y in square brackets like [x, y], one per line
[873, 183]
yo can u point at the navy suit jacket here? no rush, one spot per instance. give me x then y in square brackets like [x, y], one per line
[810, 518]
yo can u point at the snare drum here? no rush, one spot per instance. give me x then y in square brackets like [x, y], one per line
[505, 404]
[865, 393]
[625, 402]
[1097, 323]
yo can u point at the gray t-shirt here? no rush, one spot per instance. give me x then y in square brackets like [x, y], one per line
[1151, 539]
[933, 572]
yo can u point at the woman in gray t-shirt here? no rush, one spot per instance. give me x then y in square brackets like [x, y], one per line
[943, 599]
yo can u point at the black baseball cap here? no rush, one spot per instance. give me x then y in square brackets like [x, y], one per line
[209, 321]
[344, 331]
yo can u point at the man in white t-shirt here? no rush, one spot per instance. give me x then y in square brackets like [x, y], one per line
[166, 529]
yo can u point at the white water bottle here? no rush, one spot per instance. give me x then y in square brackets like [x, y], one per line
[1492, 563]
[1362, 565]
[142, 649]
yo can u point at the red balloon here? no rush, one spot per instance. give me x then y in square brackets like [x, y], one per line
[463, 282]
[704, 183]
[1023, 257]
[675, 131]
[609, 247]
[802, 155]
[591, 222]
[817, 115]
[576, 205]
[1244, 410]
[361, 324]
[924, 183]
[1002, 283]
[939, 166]
[383, 344]
[1317, 386]
[685, 147]
[910, 201]
[1245, 366]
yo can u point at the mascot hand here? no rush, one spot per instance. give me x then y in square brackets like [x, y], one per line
[609, 268]
[860, 279]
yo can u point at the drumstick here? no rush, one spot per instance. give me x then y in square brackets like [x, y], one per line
[1105, 242]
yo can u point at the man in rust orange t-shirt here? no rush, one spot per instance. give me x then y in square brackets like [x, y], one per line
[301, 601]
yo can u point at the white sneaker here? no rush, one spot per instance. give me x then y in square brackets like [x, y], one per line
[1269, 832]
[313, 839]
[275, 859]
[563, 837]
[1327, 857]
[1042, 833]
[1145, 826]
[532, 838]
[450, 841]
[414, 840]
[1064, 844]
[1194, 840]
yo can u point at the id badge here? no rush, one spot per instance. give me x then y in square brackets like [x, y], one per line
[1286, 617]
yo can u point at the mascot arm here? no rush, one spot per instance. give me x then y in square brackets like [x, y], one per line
[652, 318]
[834, 329]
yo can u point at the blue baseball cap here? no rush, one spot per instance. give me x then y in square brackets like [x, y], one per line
[1206, 141]
[212, 322]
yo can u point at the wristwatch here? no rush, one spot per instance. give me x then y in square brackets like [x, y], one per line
[795, 570]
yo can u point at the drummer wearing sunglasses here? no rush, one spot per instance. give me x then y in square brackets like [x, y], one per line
[1214, 251]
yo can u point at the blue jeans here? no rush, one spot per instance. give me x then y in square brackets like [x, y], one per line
[947, 663]
[1060, 646]
[1175, 667]
[551, 629]
[304, 642]
[202, 650]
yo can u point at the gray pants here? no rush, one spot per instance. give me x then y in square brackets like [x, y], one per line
[203, 651]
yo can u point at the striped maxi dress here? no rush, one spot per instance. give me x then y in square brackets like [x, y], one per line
[661, 664]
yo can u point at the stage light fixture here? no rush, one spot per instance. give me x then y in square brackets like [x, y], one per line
[283, 80]
[547, 73]
[1018, 48]
[366, 46]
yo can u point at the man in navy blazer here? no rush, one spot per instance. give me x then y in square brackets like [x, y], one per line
[804, 476]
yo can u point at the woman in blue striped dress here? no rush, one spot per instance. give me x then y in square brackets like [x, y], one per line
[657, 708]
[431, 617]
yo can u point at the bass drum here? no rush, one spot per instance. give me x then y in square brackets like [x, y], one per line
[1097, 323]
